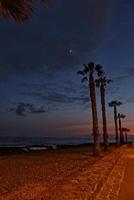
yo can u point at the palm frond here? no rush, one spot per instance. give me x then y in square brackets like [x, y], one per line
[118, 103]
[102, 81]
[18, 10]
[110, 104]
[81, 72]
[91, 67]
[97, 82]
[98, 68]
[84, 79]
[86, 70]
[109, 81]
[122, 116]
[115, 103]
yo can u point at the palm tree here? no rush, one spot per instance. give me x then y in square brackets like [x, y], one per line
[101, 82]
[125, 131]
[87, 74]
[121, 116]
[18, 10]
[114, 104]
[126, 135]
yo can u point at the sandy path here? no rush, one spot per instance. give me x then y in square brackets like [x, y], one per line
[127, 186]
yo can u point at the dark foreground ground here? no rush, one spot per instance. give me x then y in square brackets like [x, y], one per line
[43, 175]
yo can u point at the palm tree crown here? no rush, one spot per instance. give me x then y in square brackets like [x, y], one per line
[102, 81]
[88, 69]
[102, 78]
[121, 116]
[115, 103]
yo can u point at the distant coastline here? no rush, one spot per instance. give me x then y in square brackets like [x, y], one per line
[35, 144]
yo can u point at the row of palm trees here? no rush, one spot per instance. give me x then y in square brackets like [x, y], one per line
[21, 11]
[88, 73]
[121, 135]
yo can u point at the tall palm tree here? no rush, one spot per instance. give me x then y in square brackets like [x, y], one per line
[125, 131]
[114, 104]
[88, 74]
[101, 82]
[126, 134]
[121, 116]
[18, 10]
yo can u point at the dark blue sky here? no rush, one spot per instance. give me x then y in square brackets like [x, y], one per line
[41, 94]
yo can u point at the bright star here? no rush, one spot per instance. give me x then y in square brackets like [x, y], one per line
[70, 51]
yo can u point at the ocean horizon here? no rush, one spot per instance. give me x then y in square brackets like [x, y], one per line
[50, 141]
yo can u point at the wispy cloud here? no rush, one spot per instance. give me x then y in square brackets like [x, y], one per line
[130, 100]
[22, 109]
[55, 97]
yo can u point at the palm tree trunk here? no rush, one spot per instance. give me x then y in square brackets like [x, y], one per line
[116, 125]
[105, 134]
[126, 137]
[120, 129]
[94, 116]
[123, 138]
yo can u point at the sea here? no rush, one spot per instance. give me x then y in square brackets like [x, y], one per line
[42, 143]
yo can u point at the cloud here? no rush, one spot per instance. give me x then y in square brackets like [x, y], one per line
[19, 110]
[68, 91]
[130, 100]
[22, 109]
[55, 97]
[129, 72]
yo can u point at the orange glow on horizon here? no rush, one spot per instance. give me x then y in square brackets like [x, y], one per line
[87, 129]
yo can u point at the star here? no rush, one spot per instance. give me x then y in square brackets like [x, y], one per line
[70, 51]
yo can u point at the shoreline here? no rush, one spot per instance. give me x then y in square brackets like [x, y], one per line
[38, 148]
[7, 150]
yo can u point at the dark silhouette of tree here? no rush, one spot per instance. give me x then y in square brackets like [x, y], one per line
[18, 10]
[126, 135]
[114, 104]
[102, 82]
[121, 116]
[125, 131]
[88, 74]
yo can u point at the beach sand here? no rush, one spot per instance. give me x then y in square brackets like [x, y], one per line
[41, 175]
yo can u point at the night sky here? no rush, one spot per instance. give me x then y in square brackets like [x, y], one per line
[41, 93]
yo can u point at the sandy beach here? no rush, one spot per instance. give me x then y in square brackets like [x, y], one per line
[42, 175]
